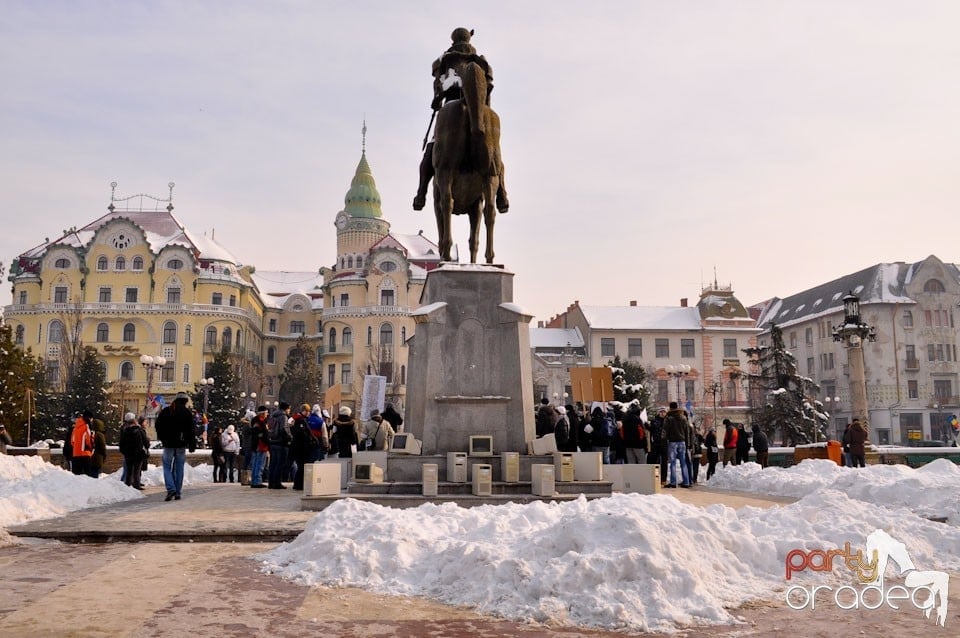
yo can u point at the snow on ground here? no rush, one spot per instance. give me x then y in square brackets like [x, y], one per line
[630, 561]
[32, 489]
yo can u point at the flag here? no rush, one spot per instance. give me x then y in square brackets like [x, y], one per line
[158, 401]
[643, 416]
[954, 422]
[689, 407]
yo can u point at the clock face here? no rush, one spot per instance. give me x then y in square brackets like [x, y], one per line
[341, 221]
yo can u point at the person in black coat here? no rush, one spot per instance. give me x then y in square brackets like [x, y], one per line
[743, 445]
[391, 416]
[346, 433]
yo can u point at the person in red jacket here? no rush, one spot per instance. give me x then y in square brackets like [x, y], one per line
[81, 438]
[729, 443]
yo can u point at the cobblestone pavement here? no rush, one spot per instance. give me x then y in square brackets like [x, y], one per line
[212, 590]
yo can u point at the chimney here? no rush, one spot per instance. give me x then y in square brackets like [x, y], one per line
[683, 302]
[633, 303]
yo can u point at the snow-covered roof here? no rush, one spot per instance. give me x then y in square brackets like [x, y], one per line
[878, 284]
[160, 228]
[418, 247]
[276, 286]
[556, 338]
[642, 317]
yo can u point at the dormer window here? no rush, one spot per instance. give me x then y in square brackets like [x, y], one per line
[63, 262]
[175, 264]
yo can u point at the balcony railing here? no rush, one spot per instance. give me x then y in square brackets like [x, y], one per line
[944, 402]
[338, 349]
[118, 307]
[911, 363]
[364, 311]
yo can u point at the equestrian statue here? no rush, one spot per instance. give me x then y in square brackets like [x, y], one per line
[464, 157]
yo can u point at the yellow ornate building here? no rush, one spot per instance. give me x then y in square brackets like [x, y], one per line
[137, 283]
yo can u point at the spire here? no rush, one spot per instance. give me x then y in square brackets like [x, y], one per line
[363, 199]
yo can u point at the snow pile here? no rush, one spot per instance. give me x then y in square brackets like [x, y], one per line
[931, 491]
[31, 489]
[633, 562]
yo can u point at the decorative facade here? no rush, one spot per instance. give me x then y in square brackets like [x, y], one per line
[708, 337]
[912, 367]
[137, 282]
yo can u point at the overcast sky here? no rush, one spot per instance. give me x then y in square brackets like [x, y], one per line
[783, 144]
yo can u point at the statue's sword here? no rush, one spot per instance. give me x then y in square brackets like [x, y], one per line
[429, 126]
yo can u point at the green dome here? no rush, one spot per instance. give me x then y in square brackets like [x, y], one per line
[363, 199]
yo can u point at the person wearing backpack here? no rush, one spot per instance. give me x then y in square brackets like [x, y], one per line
[603, 431]
[634, 436]
[177, 433]
[81, 443]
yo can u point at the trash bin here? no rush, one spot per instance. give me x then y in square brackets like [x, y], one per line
[835, 452]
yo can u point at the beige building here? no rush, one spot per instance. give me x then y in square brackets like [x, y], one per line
[708, 337]
[137, 283]
[912, 367]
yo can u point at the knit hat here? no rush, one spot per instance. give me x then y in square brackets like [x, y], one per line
[345, 411]
[374, 413]
[230, 429]
[561, 410]
[129, 417]
[262, 408]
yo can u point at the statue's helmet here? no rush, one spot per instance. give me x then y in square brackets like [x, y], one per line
[461, 34]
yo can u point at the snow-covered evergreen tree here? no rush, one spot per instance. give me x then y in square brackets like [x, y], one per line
[628, 383]
[222, 402]
[782, 400]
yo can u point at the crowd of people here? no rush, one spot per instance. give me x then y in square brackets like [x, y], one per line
[264, 449]
[668, 439]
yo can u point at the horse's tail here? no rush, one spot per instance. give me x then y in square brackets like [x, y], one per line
[474, 95]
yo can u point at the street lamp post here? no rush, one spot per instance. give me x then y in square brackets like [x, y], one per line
[678, 372]
[151, 365]
[248, 404]
[937, 406]
[205, 386]
[852, 333]
[715, 388]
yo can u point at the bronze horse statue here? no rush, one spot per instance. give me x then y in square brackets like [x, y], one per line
[466, 162]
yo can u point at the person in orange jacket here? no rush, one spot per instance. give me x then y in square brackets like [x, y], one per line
[82, 441]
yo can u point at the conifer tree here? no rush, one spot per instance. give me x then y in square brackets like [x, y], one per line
[628, 383]
[222, 406]
[782, 399]
[21, 383]
[300, 379]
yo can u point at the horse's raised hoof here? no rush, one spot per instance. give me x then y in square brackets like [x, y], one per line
[419, 202]
[502, 205]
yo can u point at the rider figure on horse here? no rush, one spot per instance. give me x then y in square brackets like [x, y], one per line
[446, 87]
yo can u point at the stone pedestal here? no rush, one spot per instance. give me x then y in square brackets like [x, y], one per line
[470, 366]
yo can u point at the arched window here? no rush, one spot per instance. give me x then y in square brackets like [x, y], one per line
[403, 375]
[62, 263]
[933, 285]
[403, 335]
[369, 335]
[126, 371]
[138, 263]
[186, 373]
[907, 319]
[101, 262]
[227, 338]
[347, 337]
[55, 332]
[120, 263]
[350, 261]
[332, 345]
[359, 262]
[732, 391]
[103, 333]
[210, 338]
[175, 264]
[236, 341]
[187, 335]
[386, 335]
[129, 333]
[169, 332]
[20, 335]
[271, 355]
